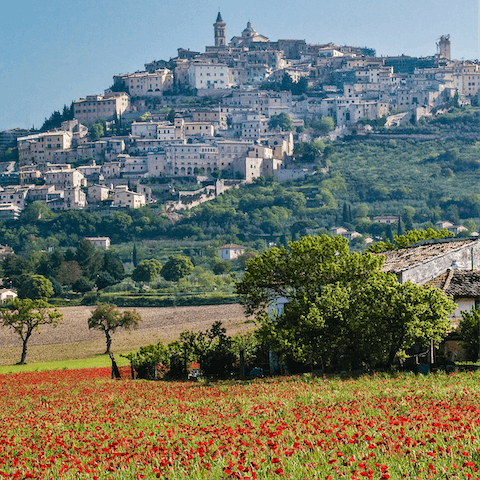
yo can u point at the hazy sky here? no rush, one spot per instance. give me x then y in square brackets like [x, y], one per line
[56, 51]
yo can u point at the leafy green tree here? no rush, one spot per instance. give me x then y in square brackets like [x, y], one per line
[26, 316]
[300, 87]
[35, 211]
[287, 82]
[107, 318]
[220, 266]
[35, 287]
[341, 311]
[104, 280]
[117, 225]
[299, 229]
[215, 352]
[113, 266]
[49, 266]
[96, 131]
[68, 272]
[469, 329]
[147, 270]
[301, 269]
[57, 288]
[176, 267]
[82, 285]
[409, 238]
[326, 124]
[182, 352]
[13, 269]
[89, 258]
[281, 120]
[414, 236]
[206, 280]
[148, 359]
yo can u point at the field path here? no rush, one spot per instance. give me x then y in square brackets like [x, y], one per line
[72, 339]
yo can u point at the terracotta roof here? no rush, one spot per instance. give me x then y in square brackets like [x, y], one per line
[399, 260]
[458, 283]
[232, 246]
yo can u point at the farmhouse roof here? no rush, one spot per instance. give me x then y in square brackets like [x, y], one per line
[231, 246]
[458, 283]
[397, 261]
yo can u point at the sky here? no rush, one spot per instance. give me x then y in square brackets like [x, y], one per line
[57, 51]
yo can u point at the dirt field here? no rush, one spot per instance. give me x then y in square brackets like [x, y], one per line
[72, 339]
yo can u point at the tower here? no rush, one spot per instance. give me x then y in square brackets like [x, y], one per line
[444, 47]
[219, 27]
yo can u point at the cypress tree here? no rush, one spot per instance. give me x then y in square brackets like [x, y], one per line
[345, 212]
[134, 255]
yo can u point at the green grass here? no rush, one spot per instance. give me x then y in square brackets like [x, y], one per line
[93, 362]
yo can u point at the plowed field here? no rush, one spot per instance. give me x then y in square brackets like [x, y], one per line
[72, 339]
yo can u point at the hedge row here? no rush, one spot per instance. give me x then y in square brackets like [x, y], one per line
[160, 301]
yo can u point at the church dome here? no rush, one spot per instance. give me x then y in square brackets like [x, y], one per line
[249, 28]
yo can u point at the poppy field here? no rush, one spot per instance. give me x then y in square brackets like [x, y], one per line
[77, 424]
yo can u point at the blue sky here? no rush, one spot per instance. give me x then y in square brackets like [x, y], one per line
[57, 51]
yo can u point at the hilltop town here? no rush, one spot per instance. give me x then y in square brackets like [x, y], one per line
[231, 114]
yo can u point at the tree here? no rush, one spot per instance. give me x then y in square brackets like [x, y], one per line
[14, 268]
[469, 329]
[176, 267]
[287, 82]
[302, 269]
[104, 280]
[26, 316]
[341, 310]
[414, 236]
[135, 255]
[35, 211]
[455, 100]
[220, 267]
[114, 267]
[89, 258]
[35, 287]
[282, 120]
[82, 285]
[409, 238]
[309, 152]
[107, 318]
[147, 270]
[325, 125]
[215, 352]
[68, 272]
[96, 131]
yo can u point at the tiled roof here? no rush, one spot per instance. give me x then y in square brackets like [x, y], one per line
[231, 246]
[399, 260]
[458, 283]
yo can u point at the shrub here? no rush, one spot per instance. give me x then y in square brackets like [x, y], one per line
[149, 360]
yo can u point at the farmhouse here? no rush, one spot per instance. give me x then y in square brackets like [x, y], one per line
[7, 294]
[428, 259]
[230, 251]
[463, 286]
[100, 242]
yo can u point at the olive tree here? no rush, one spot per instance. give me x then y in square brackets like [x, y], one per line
[107, 318]
[26, 316]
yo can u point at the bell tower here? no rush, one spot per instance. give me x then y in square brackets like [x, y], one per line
[444, 47]
[219, 27]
